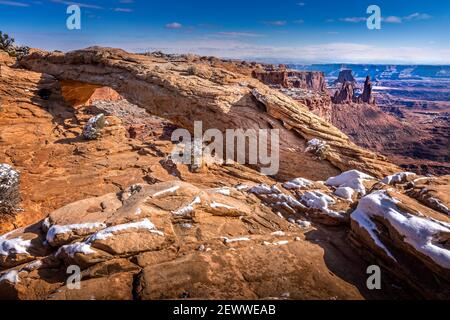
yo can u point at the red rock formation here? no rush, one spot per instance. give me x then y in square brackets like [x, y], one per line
[367, 92]
[345, 76]
[311, 80]
[344, 94]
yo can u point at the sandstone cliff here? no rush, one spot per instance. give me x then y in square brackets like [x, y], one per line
[311, 80]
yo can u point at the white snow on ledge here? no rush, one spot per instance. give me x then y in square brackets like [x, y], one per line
[320, 201]
[352, 179]
[77, 247]
[223, 191]
[10, 276]
[421, 233]
[397, 178]
[184, 211]
[438, 204]
[227, 240]
[297, 184]
[166, 191]
[85, 247]
[57, 229]
[109, 232]
[345, 193]
[218, 205]
[264, 189]
[8, 176]
[14, 246]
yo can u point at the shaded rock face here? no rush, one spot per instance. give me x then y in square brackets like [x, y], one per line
[311, 80]
[367, 92]
[344, 94]
[9, 189]
[408, 238]
[345, 75]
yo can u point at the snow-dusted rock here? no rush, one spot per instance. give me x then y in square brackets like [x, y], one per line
[297, 183]
[352, 179]
[9, 189]
[320, 203]
[394, 226]
[400, 177]
[92, 129]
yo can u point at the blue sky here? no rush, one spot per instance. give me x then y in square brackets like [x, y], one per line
[304, 31]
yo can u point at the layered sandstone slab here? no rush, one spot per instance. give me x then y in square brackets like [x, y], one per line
[177, 241]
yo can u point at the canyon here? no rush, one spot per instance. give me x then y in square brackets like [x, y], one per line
[400, 118]
[140, 226]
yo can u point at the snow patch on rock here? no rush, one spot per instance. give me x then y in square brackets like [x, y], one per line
[74, 248]
[297, 184]
[352, 179]
[419, 232]
[227, 240]
[111, 231]
[166, 191]
[345, 193]
[320, 201]
[397, 178]
[186, 210]
[8, 176]
[264, 189]
[14, 246]
[57, 229]
[10, 276]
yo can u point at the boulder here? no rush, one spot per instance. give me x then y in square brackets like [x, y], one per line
[92, 129]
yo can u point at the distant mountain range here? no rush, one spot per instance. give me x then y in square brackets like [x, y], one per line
[380, 72]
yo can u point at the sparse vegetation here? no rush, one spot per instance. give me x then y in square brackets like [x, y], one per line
[192, 71]
[6, 42]
[319, 148]
[7, 45]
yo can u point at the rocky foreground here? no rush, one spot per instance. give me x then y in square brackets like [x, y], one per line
[142, 227]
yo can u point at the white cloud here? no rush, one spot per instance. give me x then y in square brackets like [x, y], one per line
[239, 34]
[14, 3]
[174, 25]
[418, 16]
[353, 19]
[321, 53]
[277, 23]
[389, 19]
[123, 10]
[392, 19]
[80, 4]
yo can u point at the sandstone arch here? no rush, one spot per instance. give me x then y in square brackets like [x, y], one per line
[219, 98]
